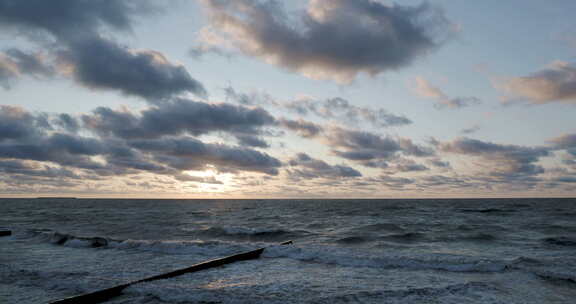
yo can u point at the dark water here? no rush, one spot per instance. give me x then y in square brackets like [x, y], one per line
[345, 251]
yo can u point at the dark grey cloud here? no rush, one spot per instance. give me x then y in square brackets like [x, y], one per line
[177, 117]
[123, 160]
[16, 168]
[75, 144]
[556, 83]
[78, 28]
[405, 165]
[567, 144]
[565, 179]
[303, 128]
[304, 166]
[27, 136]
[251, 141]
[17, 124]
[369, 148]
[507, 161]
[74, 152]
[186, 153]
[67, 122]
[69, 20]
[103, 64]
[366, 148]
[395, 164]
[332, 39]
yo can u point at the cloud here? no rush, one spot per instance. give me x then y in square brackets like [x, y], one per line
[78, 28]
[336, 109]
[177, 117]
[315, 168]
[102, 64]
[20, 169]
[198, 179]
[58, 148]
[332, 39]
[425, 89]
[433, 181]
[16, 123]
[439, 163]
[556, 83]
[392, 182]
[471, 130]
[302, 127]
[365, 146]
[186, 153]
[373, 150]
[251, 141]
[566, 141]
[405, 165]
[70, 18]
[45, 139]
[507, 161]
[15, 63]
[68, 122]
[340, 109]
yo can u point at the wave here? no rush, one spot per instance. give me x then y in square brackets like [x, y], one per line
[62, 283]
[488, 210]
[560, 241]
[467, 237]
[284, 293]
[404, 237]
[352, 240]
[199, 247]
[435, 262]
[65, 239]
[380, 227]
[421, 295]
[553, 269]
[252, 234]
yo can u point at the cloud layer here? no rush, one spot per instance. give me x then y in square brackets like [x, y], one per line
[335, 109]
[43, 145]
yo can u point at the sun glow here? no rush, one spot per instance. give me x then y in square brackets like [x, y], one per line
[209, 180]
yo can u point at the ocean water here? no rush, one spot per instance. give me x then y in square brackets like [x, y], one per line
[344, 251]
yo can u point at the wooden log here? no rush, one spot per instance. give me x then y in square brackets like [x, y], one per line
[109, 293]
[5, 232]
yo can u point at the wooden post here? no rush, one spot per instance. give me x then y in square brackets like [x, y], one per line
[5, 232]
[109, 293]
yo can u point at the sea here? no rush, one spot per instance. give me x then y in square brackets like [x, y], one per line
[497, 251]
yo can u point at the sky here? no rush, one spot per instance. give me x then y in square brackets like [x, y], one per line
[287, 99]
